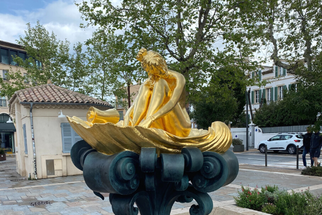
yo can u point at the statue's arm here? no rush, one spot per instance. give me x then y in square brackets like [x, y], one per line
[175, 97]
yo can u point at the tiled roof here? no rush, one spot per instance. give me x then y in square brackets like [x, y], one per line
[52, 94]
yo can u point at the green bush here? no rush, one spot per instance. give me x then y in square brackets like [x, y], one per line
[237, 142]
[2, 152]
[315, 171]
[274, 201]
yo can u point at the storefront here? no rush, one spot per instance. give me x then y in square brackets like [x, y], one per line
[7, 130]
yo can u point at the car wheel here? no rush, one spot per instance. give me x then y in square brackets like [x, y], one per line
[291, 149]
[262, 148]
[276, 151]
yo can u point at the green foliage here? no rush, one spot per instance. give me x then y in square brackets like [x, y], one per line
[47, 59]
[315, 171]
[282, 113]
[237, 141]
[222, 100]
[2, 152]
[112, 66]
[274, 201]
[185, 32]
[252, 199]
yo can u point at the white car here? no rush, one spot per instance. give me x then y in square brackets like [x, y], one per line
[283, 141]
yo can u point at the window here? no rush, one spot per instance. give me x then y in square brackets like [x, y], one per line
[121, 115]
[25, 138]
[257, 96]
[269, 94]
[3, 101]
[4, 56]
[4, 118]
[69, 137]
[4, 74]
[22, 55]
[275, 138]
[13, 54]
[280, 92]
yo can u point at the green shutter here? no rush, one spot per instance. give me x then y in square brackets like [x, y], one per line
[259, 96]
[253, 74]
[275, 93]
[284, 89]
[276, 71]
[284, 72]
[264, 95]
[252, 97]
[260, 75]
[271, 94]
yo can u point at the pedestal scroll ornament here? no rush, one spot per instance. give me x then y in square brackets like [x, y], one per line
[153, 157]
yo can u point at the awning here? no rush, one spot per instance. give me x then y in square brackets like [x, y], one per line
[7, 127]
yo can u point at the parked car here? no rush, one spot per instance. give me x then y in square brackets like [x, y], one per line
[283, 141]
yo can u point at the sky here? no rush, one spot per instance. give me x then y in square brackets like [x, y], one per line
[59, 16]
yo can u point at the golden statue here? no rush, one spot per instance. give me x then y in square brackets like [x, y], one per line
[157, 118]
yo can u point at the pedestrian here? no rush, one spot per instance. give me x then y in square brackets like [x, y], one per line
[306, 145]
[315, 146]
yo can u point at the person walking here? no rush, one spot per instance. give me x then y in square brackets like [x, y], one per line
[306, 146]
[315, 146]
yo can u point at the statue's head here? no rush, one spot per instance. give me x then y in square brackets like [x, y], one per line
[152, 62]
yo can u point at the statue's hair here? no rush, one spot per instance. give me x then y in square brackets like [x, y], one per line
[153, 60]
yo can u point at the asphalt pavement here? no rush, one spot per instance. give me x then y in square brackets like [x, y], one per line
[70, 195]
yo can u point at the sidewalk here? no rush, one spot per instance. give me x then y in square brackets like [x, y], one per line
[70, 195]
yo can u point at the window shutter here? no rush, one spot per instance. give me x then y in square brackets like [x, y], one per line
[271, 89]
[276, 71]
[275, 93]
[259, 96]
[25, 138]
[252, 97]
[284, 88]
[264, 95]
[260, 75]
[284, 72]
[253, 74]
[76, 137]
[66, 131]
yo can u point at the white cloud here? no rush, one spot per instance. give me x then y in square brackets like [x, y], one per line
[61, 17]
[11, 27]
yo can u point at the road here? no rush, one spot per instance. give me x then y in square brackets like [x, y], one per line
[281, 159]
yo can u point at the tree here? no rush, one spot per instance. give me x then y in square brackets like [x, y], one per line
[291, 29]
[47, 59]
[113, 66]
[183, 31]
[223, 100]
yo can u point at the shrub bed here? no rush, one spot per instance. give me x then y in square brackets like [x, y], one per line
[315, 171]
[274, 201]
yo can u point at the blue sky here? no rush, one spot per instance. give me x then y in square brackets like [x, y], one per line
[14, 6]
[59, 16]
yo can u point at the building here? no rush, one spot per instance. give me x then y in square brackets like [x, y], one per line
[44, 137]
[278, 80]
[7, 64]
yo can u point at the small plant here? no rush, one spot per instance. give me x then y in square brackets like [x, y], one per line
[237, 141]
[274, 201]
[315, 171]
[2, 152]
